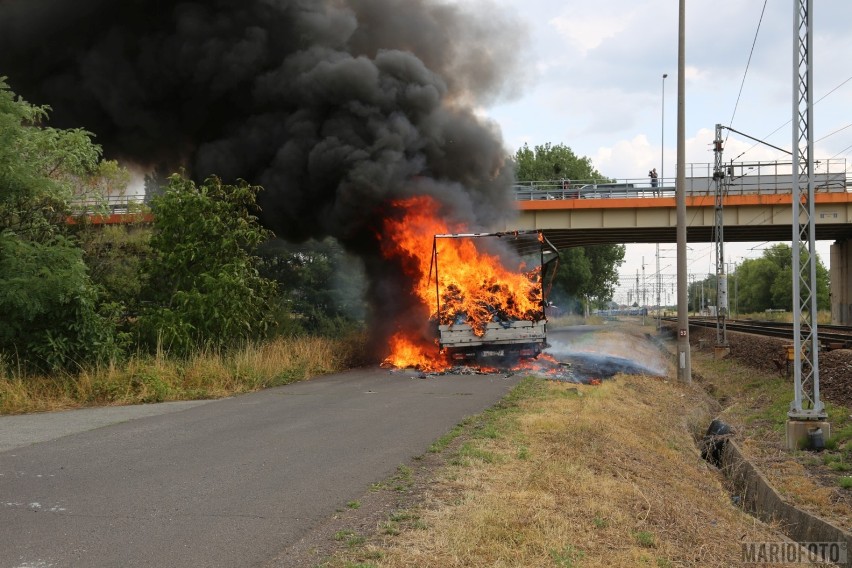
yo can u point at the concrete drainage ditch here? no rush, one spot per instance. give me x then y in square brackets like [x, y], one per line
[753, 492]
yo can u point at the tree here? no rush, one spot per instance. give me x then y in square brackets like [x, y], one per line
[570, 283]
[550, 162]
[604, 261]
[584, 273]
[114, 255]
[40, 167]
[755, 278]
[50, 314]
[767, 282]
[202, 282]
[321, 288]
[51, 318]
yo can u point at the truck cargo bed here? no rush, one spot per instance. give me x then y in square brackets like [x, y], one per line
[522, 331]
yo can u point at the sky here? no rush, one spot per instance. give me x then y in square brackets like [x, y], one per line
[594, 82]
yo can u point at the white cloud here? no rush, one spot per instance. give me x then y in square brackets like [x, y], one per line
[587, 26]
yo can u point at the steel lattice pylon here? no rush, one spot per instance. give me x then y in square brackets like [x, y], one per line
[719, 238]
[806, 404]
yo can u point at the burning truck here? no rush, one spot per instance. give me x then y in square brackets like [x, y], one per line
[502, 325]
[480, 297]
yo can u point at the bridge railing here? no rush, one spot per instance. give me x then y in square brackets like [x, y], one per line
[741, 178]
[108, 204]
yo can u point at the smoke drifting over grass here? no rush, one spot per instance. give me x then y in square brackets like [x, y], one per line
[604, 353]
[336, 107]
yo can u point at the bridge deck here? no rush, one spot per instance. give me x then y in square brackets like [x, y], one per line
[747, 218]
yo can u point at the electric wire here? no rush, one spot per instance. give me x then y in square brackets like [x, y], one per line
[748, 64]
[833, 133]
[766, 137]
[843, 151]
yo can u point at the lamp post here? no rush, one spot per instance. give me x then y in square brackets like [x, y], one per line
[663, 135]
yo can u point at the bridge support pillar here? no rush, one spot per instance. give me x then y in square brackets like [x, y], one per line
[840, 272]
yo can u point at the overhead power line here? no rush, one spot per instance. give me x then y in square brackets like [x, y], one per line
[748, 64]
[833, 133]
[789, 121]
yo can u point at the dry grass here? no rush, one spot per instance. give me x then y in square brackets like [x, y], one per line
[572, 319]
[823, 316]
[571, 475]
[159, 378]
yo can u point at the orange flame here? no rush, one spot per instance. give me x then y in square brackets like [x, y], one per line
[409, 352]
[474, 286]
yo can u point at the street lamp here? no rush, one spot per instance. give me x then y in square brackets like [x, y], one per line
[663, 135]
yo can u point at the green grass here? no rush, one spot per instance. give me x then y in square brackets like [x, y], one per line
[390, 528]
[351, 538]
[645, 539]
[567, 557]
[469, 451]
[402, 515]
[441, 443]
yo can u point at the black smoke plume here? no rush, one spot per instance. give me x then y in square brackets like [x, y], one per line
[335, 107]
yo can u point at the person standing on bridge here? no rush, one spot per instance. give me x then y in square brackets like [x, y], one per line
[653, 175]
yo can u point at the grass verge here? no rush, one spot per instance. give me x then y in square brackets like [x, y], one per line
[572, 475]
[158, 378]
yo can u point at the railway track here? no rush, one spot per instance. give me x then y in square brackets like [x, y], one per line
[830, 336]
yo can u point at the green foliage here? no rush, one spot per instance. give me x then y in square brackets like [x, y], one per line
[584, 273]
[567, 557]
[549, 162]
[202, 281]
[49, 316]
[754, 279]
[321, 288]
[765, 283]
[114, 255]
[645, 538]
[40, 168]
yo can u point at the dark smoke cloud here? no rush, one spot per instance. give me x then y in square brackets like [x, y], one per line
[334, 106]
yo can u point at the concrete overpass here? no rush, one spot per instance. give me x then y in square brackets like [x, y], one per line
[755, 208]
[584, 222]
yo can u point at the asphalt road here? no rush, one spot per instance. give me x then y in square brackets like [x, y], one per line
[227, 483]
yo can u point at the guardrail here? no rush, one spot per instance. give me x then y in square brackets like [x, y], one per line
[108, 204]
[761, 178]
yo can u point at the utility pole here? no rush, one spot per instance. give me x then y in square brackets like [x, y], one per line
[663, 138]
[684, 357]
[659, 284]
[638, 296]
[807, 412]
[736, 278]
[644, 292]
[722, 348]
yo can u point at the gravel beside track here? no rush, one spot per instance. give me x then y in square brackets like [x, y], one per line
[768, 354]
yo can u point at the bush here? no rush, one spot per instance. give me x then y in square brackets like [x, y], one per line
[202, 284]
[49, 317]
